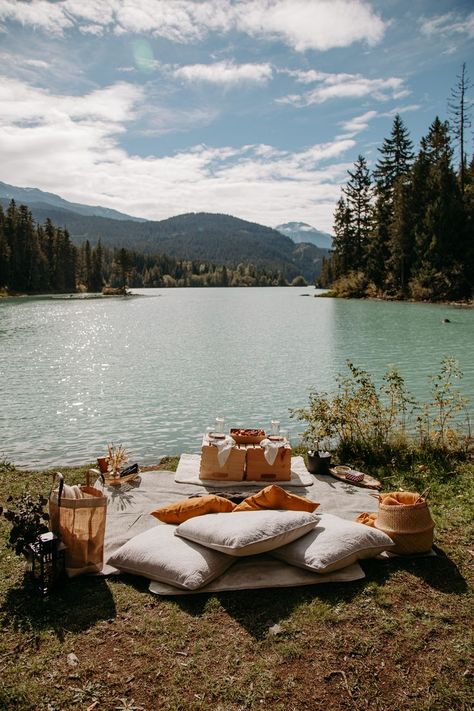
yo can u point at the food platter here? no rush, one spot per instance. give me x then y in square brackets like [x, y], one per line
[367, 482]
[247, 436]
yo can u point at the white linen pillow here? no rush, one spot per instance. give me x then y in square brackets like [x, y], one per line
[158, 554]
[247, 532]
[334, 544]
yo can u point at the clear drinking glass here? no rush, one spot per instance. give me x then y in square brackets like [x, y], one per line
[275, 427]
[219, 428]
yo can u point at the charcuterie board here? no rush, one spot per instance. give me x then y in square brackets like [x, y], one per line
[367, 482]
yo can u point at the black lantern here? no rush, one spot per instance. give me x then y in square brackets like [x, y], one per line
[47, 562]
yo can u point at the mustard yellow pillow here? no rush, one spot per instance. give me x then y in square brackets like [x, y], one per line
[274, 497]
[195, 506]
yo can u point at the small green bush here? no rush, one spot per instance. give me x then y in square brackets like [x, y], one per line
[376, 425]
[28, 519]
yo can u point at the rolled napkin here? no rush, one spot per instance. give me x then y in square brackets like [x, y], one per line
[368, 519]
[224, 447]
[270, 449]
[72, 492]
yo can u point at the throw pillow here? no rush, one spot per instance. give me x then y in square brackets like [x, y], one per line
[274, 497]
[195, 506]
[334, 544]
[247, 532]
[158, 554]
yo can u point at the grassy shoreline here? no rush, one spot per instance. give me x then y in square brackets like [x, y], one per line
[400, 639]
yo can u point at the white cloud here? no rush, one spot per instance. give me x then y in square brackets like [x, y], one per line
[20, 103]
[40, 14]
[70, 145]
[301, 24]
[358, 123]
[344, 86]
[225, 73]
[306, 76]
[402, 110]
[450, 23]
[305, 24]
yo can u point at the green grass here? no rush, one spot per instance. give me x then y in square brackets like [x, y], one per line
[400, 639]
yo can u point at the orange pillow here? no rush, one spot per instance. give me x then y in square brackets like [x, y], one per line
[196, 506]
[274, 497]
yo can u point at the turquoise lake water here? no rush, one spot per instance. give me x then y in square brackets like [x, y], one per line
[151, 372]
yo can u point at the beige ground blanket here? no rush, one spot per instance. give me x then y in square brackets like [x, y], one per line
[188, 473]
[129, 514]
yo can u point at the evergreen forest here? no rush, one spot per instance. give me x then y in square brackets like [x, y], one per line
[406, 229]
[42, 259]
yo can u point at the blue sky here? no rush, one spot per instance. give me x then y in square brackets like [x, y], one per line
[254, 108]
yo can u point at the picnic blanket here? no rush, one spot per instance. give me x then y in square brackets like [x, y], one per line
[129, 508]
[188, 473]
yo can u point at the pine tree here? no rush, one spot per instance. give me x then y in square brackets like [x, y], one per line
[50, 253]
[96, 280]
[439, 221]
[396, 158]
[343, 241]
[401, 237]
[393, 169]
[460, 110]
[87, 265]
[358, 194]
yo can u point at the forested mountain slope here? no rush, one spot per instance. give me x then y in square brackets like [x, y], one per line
[221, 239]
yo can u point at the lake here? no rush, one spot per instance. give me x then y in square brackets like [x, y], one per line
[152, 371]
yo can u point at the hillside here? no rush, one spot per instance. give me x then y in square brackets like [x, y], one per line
[40, 199]
[221, 239]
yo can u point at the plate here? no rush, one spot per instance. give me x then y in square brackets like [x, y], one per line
[216, 435]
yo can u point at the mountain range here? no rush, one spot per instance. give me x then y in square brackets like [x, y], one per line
[302, 232]
[217, 238]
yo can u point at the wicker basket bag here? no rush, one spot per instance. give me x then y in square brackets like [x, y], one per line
[406, 518]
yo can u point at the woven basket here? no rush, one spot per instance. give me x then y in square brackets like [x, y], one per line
[408, 524]
[253, 436]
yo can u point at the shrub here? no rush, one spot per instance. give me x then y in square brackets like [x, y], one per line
[363, 422]
[28, 520]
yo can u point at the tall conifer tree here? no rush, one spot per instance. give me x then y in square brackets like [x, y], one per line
[358, 194]
[391, 175]
[460, 107]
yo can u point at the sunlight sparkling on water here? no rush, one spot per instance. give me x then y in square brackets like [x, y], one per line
[152, 372]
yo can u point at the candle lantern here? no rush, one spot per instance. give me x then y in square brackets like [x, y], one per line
[46, 562]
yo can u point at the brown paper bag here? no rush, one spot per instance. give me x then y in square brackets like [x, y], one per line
[80, 524]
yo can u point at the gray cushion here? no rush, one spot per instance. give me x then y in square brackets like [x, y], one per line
[247, 532]
[333, 544]
[158, 554]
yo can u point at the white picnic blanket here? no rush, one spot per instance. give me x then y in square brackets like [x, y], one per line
[188, 473]
[128, 514]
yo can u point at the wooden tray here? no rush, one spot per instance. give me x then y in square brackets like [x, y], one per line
[255, 438]
[111, 481]
[118, 481]
[368, 482]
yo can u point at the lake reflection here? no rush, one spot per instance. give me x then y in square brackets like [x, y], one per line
[153, 371]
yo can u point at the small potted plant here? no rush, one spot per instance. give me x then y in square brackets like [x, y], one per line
[320, 430]
[28, 520]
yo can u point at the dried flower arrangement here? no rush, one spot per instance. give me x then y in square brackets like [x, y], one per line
[117, 458]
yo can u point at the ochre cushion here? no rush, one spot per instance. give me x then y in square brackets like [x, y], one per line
[196, 506]
[274, 497]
